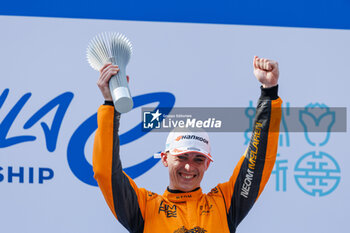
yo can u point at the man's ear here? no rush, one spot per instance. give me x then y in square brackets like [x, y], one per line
[207, 163]
[164, 157]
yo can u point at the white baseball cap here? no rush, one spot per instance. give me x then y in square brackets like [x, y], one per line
[181, 141]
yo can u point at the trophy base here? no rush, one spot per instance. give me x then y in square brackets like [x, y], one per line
[123, 102]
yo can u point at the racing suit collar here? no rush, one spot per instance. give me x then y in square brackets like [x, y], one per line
[178, 196]
[179, 191]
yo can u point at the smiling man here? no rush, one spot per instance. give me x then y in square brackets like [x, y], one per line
[187, 156]
[183, 207]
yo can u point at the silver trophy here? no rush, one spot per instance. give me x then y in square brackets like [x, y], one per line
[116, 48]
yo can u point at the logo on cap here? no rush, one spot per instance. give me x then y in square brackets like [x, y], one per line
[195, 137]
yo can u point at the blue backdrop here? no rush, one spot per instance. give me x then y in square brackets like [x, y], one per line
[297, 13]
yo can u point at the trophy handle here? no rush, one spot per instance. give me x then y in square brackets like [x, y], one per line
[119, 88]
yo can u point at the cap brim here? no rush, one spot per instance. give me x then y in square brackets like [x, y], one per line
[177, 152]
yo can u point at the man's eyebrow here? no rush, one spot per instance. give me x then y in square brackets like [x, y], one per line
[197, 155]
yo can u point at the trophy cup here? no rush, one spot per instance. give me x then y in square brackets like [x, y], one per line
[115, 48]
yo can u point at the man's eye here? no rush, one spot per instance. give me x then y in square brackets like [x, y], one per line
[199, 160]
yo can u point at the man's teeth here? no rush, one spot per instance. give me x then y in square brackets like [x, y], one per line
[187, 176]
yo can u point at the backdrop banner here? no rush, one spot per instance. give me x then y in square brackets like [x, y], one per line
[49, 99]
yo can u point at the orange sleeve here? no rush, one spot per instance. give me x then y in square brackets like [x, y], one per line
[255, 166]
[126, 201]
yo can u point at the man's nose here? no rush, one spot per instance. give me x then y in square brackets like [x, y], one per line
[187, 167]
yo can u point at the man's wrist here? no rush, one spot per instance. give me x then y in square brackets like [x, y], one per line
[270, 93]
[108, 102]
[268, 86]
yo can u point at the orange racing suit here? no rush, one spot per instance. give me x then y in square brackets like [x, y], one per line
[221, 210]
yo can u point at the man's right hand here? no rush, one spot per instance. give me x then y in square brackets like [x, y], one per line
[106, 72]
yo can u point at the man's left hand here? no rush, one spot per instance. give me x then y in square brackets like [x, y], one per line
[266, 71]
